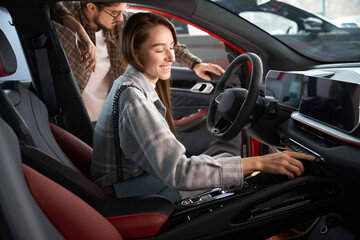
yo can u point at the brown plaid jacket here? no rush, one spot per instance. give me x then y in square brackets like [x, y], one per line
[112, 38]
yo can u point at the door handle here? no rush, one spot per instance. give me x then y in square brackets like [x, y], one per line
[202, 87]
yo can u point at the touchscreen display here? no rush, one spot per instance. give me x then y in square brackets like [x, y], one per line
[333, 102]
[285, 88]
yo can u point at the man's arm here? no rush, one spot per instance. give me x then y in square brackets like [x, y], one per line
[58, 11]
[86, 46]
[87, 49]
[185, 58]
[183, 55]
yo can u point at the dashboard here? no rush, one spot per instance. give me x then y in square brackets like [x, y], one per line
[324, 108]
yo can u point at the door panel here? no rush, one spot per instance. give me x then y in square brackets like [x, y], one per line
[189, 93]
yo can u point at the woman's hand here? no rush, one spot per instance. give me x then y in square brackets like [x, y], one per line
[201, 69]
[286, 163]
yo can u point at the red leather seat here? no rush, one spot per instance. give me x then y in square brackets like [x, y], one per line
[74, 148]
[20, 185]
[74, 218]
[34, 207]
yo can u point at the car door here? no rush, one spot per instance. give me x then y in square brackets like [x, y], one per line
[191, 95]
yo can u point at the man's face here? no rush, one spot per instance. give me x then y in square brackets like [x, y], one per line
[107, 17]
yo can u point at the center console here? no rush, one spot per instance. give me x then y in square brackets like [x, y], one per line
[263, 196]
[252, 184]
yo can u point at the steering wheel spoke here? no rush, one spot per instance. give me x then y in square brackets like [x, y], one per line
[221, 126]
[218, 98]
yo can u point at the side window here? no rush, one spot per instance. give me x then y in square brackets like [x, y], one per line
[271, 23]
[206, 47]
[22, 72]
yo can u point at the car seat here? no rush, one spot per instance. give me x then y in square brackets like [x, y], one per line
[28, 117]
[132, 217]
[25, 111]
[46, 210]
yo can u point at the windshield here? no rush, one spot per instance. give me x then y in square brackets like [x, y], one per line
[324, 30]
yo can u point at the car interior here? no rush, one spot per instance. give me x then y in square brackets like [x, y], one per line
[257, 107]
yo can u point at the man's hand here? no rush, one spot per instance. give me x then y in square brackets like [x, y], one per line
[88, 52]
[201, 69]
[86, 47]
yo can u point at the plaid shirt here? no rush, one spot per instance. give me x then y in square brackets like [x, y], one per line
[148, 145]
[112, 38]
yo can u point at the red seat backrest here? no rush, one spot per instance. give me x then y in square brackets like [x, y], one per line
[75, 149]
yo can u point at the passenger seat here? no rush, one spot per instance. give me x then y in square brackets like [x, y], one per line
[34, 207]
[29, 118]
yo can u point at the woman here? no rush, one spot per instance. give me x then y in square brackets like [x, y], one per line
[147, 138]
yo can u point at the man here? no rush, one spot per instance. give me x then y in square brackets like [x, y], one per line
[101, 65]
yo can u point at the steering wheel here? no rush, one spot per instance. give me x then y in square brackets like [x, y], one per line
[234, 105]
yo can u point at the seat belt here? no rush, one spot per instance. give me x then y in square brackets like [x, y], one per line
[41, 45]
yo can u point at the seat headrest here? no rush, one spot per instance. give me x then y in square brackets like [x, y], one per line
[8, 64]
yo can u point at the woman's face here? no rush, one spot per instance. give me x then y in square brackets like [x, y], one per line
[157, 54]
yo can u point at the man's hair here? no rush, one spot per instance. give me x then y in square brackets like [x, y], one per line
[101, 5]
[135, 33]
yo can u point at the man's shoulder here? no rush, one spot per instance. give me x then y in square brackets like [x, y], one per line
[71, 4]
[73, 7]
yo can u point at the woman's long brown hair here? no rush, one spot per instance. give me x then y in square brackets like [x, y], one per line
[136, 32]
